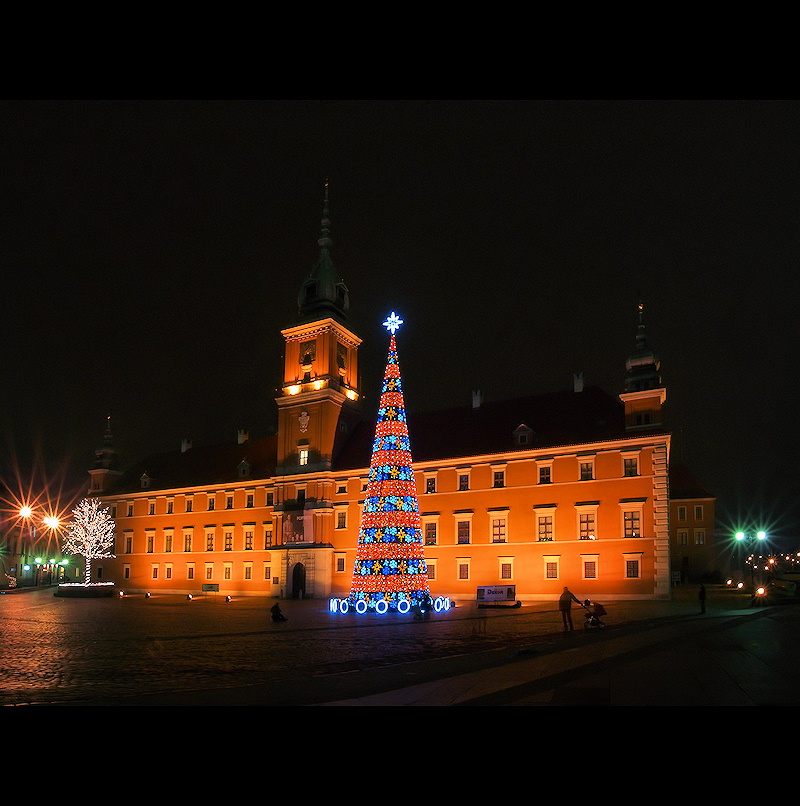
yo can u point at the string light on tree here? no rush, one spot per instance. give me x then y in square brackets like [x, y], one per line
[90, 533]
[390, 571]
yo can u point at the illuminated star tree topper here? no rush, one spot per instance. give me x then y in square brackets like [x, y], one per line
[90, 533]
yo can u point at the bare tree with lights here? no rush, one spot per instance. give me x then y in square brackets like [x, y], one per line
[90, 533]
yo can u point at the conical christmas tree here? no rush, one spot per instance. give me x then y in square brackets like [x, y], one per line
[390, 569]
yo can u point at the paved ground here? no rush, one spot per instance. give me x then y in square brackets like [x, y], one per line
[167, 651]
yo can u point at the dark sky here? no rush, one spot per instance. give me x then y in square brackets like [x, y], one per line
[152, 251]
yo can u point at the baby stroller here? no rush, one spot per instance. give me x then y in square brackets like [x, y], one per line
[593, 615]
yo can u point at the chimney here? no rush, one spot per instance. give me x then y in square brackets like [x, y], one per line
[242, 436]
[577, 382]
[477, 399]
[185, 445]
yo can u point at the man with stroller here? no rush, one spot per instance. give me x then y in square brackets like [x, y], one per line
[565, 606]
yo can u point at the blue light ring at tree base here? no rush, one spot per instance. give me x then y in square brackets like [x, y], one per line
[381, 606]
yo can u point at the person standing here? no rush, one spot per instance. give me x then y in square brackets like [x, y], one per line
[565, 606]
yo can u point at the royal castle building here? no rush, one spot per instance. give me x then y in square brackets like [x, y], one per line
[530, 494]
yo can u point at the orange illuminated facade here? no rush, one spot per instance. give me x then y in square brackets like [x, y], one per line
[569, 488]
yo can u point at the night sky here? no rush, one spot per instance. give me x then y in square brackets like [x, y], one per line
[152, 252]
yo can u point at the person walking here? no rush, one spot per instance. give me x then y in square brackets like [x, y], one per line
[565, 606]
[702, 597]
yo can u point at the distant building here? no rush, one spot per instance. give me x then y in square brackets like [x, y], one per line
[693, 548]
[567, 488]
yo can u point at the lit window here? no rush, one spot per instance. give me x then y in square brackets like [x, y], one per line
[544, 528]
[463, 528]
[303, 456]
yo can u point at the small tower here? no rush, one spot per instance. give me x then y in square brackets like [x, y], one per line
[320, 372]
[644, 392]
[106, 464]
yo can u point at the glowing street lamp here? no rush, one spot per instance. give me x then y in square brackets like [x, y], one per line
[50, 522]
[752, 539]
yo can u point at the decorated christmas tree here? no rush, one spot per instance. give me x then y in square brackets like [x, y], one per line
[390, 571]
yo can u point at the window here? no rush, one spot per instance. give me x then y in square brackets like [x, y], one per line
[341, 487]
[630, 466]
[248, 539]
[130, 510]
[187, 541]
[551, 567]
[499, 478]
[168, 536]
[188, 504]
[590, 567]
[250, 500]
[587, 519]
[683, 537]
[340, 563]
[698, 512]
[267, 535]
[170, 507]
[168, 571]
[632, 523]
[499, 525]
[430, 484]
[430, 533]
[151, 539]
[190, 571]
[303, 456]
[248, 571]
[545, 474]
[267, 572]
[544, 528]
[431, 567]
[699, 537]
[586, 470]
[463, 531]
[209, 570]
[151, 507]
[506, 568]
[341, 519]
[227, 571]
[270, 498]
[632, 516]
[462, 566]
[430, 528]
[463, 481]
[228, 540]
[228, 502]
[154, 572]
[632, 567]
[128, 542]
[681, 513]
[209, 541]
[211, 502]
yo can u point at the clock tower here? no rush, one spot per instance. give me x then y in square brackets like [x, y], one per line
[318, 404]
[644, 392]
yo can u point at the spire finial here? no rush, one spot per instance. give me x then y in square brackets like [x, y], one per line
[325, 238]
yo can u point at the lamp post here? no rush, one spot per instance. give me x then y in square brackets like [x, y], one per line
[751, 539]
[51, 523]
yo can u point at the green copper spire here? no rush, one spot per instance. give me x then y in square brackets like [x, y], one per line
[323, 294]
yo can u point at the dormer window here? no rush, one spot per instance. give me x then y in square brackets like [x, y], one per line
[523, 435]
[144, 481]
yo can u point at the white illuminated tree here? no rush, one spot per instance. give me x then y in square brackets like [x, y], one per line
[90, 533]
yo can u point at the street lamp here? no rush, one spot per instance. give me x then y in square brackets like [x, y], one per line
[751, 539]
[51, 523]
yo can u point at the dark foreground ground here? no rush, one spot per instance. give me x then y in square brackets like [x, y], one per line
[168, 651]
